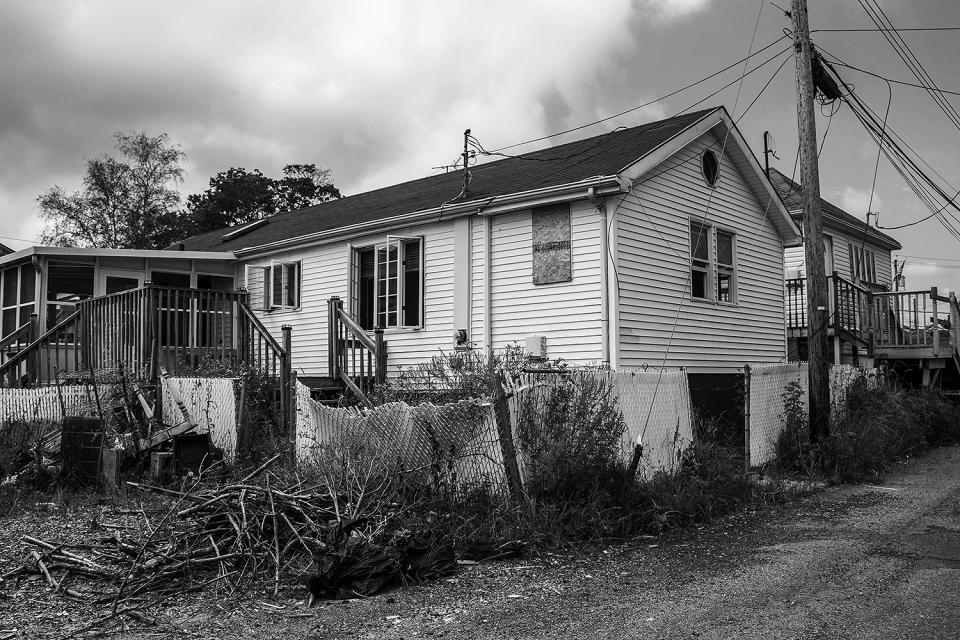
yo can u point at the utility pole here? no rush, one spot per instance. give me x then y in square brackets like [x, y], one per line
[817, 310]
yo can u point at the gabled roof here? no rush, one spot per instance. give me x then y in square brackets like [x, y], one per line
[575, 164]
[833, 216]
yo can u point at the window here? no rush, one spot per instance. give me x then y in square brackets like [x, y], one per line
[387, 284]
[276, 286]
[725, 253]
[710, 167]
[67, 283]
[18, 293]
[699, 260]
[712, 263]
[863, 263]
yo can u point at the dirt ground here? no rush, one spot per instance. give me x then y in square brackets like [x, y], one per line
[876, 560]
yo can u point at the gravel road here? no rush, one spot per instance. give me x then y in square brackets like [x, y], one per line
[869, 561]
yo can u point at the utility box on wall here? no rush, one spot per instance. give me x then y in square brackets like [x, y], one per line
[536, 347]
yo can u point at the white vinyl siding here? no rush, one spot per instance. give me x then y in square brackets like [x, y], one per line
[657, 314]
[567, 313]
[794, 257]
[325, 272]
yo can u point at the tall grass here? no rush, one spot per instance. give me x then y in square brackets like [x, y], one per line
[876, 426]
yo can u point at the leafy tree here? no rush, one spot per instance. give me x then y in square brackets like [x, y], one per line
[237, 196]
[129, 202]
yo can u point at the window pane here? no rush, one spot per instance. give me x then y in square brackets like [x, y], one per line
[365, 287]
[28, 282]
[116, 284]
[9, 322]
[292, 276]
[724, 248]
[699, 245]
[277, 282]
[698, 284]
[411, 283]
[69, 282]
[214, 283]
[170, 279]
[724, 282]
[10, 286]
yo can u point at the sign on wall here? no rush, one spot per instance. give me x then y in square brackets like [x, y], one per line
[551, 244]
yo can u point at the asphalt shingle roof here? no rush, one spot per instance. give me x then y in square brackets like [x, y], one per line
[602, 155]
[792, 198]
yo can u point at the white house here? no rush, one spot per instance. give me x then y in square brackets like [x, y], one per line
[655, 245]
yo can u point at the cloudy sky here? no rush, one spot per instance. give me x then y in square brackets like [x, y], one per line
[380, 92]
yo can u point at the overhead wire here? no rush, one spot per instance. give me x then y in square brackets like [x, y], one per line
[645, 104]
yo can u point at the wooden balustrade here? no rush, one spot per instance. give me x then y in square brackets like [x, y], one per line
[355, 359]
[914, 320]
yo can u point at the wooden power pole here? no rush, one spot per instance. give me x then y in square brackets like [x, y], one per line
[817, 309]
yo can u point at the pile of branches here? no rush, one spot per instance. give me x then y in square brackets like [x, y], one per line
[246, 533]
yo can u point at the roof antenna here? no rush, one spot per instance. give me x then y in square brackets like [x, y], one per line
[466, 164]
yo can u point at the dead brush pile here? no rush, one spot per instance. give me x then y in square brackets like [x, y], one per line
[259, 532]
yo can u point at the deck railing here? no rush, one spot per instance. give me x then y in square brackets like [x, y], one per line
[150, 328]
[922, 321]
[355, 359]
[852, 309]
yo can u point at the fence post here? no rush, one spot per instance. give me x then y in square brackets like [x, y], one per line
[954, 321]
[333, 306]
[935, 336]
[381, 356]
[292, 412]
[501, 412]
[285, 367]
[746, 417]
[33, 359]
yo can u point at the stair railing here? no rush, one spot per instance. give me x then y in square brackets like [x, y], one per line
[852, 309]
[354, 358]
[59, 350]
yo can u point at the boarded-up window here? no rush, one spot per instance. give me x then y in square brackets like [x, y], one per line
[551, 244]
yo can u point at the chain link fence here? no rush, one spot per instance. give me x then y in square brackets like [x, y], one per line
[454, 445]
[769, 394]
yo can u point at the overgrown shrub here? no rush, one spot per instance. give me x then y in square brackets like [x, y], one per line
[453, 376]
[875, 426]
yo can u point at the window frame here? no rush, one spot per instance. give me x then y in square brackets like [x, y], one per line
[266, 289]
[400, 241]
[712, 268]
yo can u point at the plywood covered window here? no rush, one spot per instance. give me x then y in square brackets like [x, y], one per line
[387, 284]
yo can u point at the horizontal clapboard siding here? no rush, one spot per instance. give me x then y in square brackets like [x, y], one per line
[794, 257]
[325, 273]
[659, 321]
[567, 313]
[478, 236]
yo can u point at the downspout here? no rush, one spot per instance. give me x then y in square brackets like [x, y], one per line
[487, 278]
[601, 207]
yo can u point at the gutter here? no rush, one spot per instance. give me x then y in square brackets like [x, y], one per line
[600, 185]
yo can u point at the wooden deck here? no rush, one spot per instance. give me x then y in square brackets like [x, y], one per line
[919, 327]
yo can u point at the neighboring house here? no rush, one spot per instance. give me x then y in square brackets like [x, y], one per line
[50, 281]
[655, 245]
[854, 253]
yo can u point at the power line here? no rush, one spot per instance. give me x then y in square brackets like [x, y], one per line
[645, 104]
[874, 29]
[906, 54]
[893, 80]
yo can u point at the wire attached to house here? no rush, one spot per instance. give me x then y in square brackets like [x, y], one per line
[703, 220]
